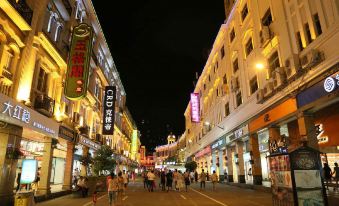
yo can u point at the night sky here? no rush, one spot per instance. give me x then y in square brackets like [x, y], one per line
[158, 46]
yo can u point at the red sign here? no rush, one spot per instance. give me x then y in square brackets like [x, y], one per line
[203, 152]
[195, 107]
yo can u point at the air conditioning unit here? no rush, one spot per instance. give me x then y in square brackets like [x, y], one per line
[76, 118]
[264, 35]
[260, 96]
[311, 59]
[292, 66]
[234, 84]
[278, 77]
[268, 89]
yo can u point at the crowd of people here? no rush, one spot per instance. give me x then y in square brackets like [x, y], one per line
[177, 180]
[330, 175]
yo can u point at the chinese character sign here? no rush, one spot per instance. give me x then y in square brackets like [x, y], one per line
[195, 107]
[79, 62]
[109, 106]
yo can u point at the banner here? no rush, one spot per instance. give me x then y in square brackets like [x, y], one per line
[195, 107]
[79, 61]
[109, 106]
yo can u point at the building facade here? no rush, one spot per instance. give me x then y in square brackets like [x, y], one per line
[37, 120]
[271, 77]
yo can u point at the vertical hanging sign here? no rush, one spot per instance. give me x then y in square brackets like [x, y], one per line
[109, 106]
[195, 107]
[78, 62]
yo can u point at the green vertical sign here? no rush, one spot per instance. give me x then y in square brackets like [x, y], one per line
[78, 62]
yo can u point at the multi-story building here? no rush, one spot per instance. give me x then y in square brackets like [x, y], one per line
[272, 76]
[37, 120]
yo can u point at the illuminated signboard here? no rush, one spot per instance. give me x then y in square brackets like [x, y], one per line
[89, 143]
[29, 171]
[109, 106]
[79, 62]
[195, 107]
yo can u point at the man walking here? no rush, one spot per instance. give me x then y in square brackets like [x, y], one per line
[214, 179]
[125, 177]
[202, 179]
[151, 178]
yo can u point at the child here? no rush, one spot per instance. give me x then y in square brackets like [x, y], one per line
[95, 198]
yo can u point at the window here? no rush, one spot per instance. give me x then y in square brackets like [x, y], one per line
[299, 41]
[9, 59]
[42, 81]
[267, 18]
[51, 21]
[273, 62]
[308, 33]
[249, 47]
[317, 24]
[224, 79]
[57, 32]
[239, 99]
[204, 86]
[209, 78]
[235, 65]
[232, 35]
[254, 84]
[227, 109]
[222, 51]
[244, 12]
[217, 91]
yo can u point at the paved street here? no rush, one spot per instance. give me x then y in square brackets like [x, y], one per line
[137, 195]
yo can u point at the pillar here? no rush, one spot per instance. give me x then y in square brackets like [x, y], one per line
[221, 166]
[239, 147]
[256, 162]
[214, 161]
[307, 130]
[229, 164]
[68, 167]
[10, 135]
[46, 165]
[85, 151]
[274, 133]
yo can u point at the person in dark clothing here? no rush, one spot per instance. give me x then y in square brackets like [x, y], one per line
[18, 178]
[327, 173]
[169, 180]
[163, 180]
[196, 176]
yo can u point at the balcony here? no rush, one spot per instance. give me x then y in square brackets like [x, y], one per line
[7, 74]
[23, 9]
[44, 105]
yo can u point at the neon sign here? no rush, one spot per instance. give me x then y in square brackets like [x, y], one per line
[195, 107]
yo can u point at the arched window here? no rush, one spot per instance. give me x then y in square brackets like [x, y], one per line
[51, 21]
[58, 31]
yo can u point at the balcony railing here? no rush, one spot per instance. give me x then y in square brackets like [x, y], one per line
[23, 9]
[7, 73]
[44, 105]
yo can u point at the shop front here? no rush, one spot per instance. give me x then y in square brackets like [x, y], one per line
[218, 150]
[277, 125]
[85, 149]
[203, 159]
[321, 102]
[24, 134]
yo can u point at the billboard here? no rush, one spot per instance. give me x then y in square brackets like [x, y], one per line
[109, 112]
[78, 62]
[195, 107]
[29, 171]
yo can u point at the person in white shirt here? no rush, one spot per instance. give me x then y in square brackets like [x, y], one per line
[214, 179]
[151, 178]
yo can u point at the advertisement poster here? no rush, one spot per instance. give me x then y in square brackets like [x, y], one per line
[109, 110]
[310, 198]
[307, 179]
[29, 171]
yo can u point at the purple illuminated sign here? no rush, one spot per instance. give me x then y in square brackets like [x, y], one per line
[195, 107]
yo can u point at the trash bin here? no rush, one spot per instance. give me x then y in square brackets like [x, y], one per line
[24, 199]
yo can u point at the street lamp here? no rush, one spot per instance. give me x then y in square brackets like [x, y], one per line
[208, 124]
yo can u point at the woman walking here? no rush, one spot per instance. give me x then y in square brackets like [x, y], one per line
[163, 180]
[214, 179]
[120, 187]
[113, 187]
[180, 181]
[169, 180]
[187, 179]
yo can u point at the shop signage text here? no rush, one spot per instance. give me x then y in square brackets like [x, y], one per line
[218, 144]
[109, 112]
[278, 147]
[18, 114]
[321, 89]
[89, 143]
[203, 152]
[195, 107]
[79, 61]
[239, 133]
[66, 133]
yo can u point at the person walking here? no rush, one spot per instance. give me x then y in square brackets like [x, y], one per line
[327, 173]
[169, 180]
[125, 178]
[187, 176]
[196, 176]
[180, 181]
[121, 187]
[151, 179]
[144, 175]
[336, 176]
[192, 176]
[214, 179]
[112, 188]
[175, 178]
[202, 179]
[163, 180]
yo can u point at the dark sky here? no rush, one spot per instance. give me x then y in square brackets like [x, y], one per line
[158, 46]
